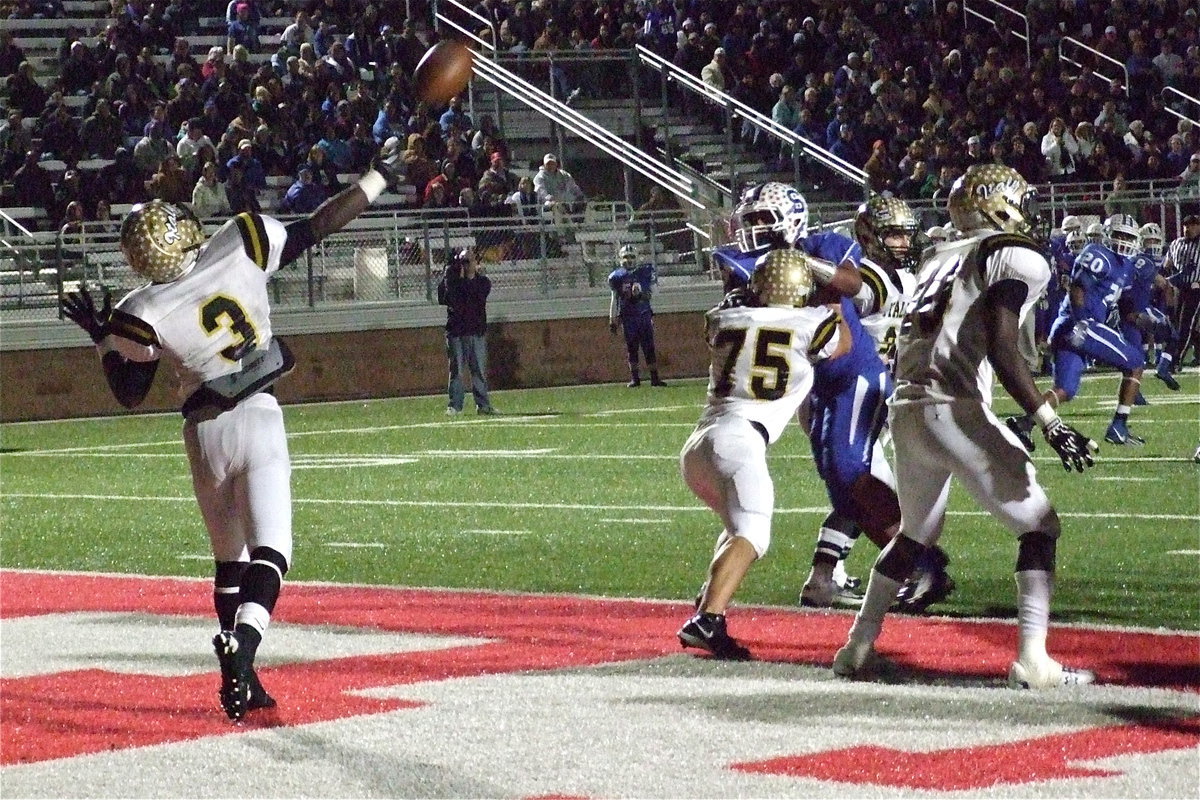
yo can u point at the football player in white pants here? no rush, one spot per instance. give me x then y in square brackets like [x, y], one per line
[763, 344]
[206, 312]
[970, 300]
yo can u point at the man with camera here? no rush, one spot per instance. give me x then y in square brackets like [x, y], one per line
[464, 291]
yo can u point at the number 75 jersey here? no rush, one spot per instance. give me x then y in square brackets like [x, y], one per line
[204, 322]
[762, 361]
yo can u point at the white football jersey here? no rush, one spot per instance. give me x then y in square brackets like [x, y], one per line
[762, 361]
[942, 347]
[206, 321]
[883, 301]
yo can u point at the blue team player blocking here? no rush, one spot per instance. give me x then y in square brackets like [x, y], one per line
[632, 286]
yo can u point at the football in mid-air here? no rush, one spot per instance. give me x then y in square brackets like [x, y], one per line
[444, 71]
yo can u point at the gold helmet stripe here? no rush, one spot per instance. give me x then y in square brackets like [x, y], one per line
[254, 237]
[133, 328]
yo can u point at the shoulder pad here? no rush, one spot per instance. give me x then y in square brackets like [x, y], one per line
[738, 298]
[999, 241]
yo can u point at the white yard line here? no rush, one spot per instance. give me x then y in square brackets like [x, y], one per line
[613, 508]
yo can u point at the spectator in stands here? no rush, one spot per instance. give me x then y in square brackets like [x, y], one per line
[341, 67]
[557, 190]
[191, 143]
[846, 147]
[1189, 179]
[31, 184]
[60, 135]
[323, 170]
[419, 168]
[68, 189]
[880, 169]
[104, 215]
[456, 151]
[390, 122]
[15, 142]
[363, 147]
[297, 33]
[208, 196]
[171, 183]
[1119, 200]
[303, 196]
[498, 182]
[337, 149]
[454, 115]
[252, 18]
[252, 169]
[241, 32]
[79, 72]
[449, 180]
[1111, 113]
[11, 54]
[25, 93]
[157, 125]
[1059, 148]
[436, 196]
[1175, 160]
[242, 196]
[911, 185]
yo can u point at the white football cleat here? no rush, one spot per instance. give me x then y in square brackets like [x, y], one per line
[821, 592]
[856, 659]
[1048, 674]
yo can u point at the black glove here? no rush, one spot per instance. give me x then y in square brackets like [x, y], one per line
[1072, 447]
[81, 309]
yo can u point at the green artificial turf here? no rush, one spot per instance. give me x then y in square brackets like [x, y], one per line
[578, 490]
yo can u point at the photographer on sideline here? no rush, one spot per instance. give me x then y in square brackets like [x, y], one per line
[464, 291]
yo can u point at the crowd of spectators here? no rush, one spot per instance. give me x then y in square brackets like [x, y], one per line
[332, 91]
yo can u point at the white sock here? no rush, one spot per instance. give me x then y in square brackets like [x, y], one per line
[881, 593]
[1034, 589]
[254, 615]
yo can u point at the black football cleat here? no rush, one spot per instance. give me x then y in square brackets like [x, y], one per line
[707, 632]
[258, 695]
[929, 584]
[235, 674]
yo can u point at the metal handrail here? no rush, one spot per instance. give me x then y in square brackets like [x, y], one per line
[1171, 90]
[731, 104]
[1063, 57]
[445, 20]
[1023, 17]
[589, 131]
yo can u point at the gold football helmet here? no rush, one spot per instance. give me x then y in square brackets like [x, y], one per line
[888, 232]
[994, 196]
[784, 279]
[160, 240]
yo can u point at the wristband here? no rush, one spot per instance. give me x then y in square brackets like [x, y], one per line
[1045, 415]
[372, 185]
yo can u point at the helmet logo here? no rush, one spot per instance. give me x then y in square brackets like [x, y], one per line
[171, 234]
[1007, 186]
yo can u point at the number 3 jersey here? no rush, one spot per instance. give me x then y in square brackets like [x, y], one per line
[942, 350]
[206, 321]
[762, 361]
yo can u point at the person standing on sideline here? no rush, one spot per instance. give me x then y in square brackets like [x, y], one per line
[205, 311]
[464, 290]
[632, 285]
[1182, 264]
[970, 300]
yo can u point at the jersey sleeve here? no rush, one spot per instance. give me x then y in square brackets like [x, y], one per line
[262, 239]
[132, 337]
[826, 336]
[1016, 258]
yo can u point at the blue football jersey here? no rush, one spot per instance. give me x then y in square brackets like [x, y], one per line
[1144, 270]
[1103, 275]
[832, 247]
[622, 281]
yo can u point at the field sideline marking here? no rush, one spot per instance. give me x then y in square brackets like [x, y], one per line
[551, 506]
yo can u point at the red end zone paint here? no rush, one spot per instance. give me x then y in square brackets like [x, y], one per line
[963, 768]
[68, 714]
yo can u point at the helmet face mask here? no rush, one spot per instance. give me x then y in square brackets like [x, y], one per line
[887, 230]
[160, 240]
[1150, 238]
[783, 280]
[1072, 229]
[996, 197]
[628, 255]
[770, 214]
[1121, 235]
[1095, 233]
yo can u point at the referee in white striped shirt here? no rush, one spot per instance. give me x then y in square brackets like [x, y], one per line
[1182, 264]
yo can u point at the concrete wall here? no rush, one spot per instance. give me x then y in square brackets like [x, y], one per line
[68, 382]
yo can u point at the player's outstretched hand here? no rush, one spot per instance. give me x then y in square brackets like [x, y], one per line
[388, 171]
[81, 309]
[1073, 447]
